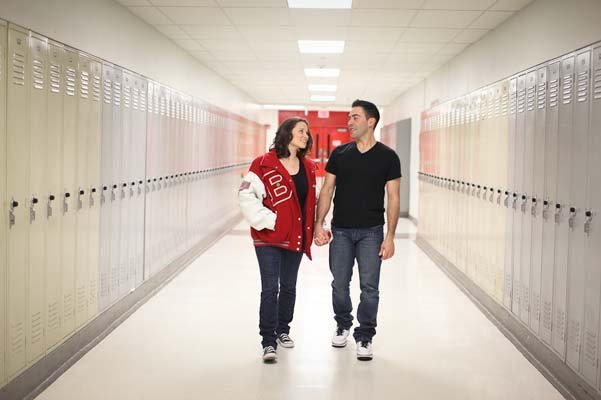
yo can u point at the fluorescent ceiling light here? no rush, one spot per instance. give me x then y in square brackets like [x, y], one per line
[320, 3]
[321, 46]
[322, 88]
[322, 72]
[322, 98]
[282, 107]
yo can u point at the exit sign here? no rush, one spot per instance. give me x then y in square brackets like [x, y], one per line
[323, 114]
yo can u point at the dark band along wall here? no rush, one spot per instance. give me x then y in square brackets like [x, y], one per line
[106, 178]
[510, 181]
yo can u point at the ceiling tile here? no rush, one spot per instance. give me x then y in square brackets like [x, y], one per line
[310, 17]
[188, 44]
[235, 55]
[211, 32]
[184, 3]
[418, 48]
[470, 35]
[274, 55]
[321, 32]
[196, 15]
[457, 4]
[491, 19]
[416, 35]
[283, 46]
[444, 19]
[328, 61]
[172, 31]
[453, 49]
[402, 59]
[223, 44]
[361, 47]
[257, 32]
[510, 5]
[373, 33]
[258, 16]
[254, 3]
[202, 55]
[412, 4]
[151, 15]
[128, 3]
[380, 18]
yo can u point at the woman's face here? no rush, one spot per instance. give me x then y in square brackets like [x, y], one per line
[300, 135]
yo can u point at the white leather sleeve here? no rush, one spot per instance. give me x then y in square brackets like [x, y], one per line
[250, 199]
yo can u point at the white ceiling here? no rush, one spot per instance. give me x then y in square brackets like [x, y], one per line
[390, 44]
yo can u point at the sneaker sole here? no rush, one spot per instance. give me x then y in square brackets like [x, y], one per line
[339, 345]
[365, 358]
[270, 358]
[283, 344]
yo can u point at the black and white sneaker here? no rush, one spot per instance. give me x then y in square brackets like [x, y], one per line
[364, 352]
[340, 337]
[285, 341]
[269, 354]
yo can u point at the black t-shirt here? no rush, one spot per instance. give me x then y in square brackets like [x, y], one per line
[360, 182]
[302, 186]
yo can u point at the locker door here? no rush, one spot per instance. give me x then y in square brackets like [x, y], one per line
[125, 272]
[140, 176]
[537, 197]
[38, 92]
[150, 174]
[17, 191]
[577, 204]
[116, 182]
[501, 185]
[563, 202]
[549, 201]
[94, 184]
[81, 205]
[592, 267]
[106, 164]
[69, 192]
[51, 199]
[528, 185]
[507, 292]
[3, 201]
[518, 192]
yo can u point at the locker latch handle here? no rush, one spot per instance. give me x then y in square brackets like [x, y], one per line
[572, 217]
[32, 214]
[11, 212]
[65, 203]
[587, 222]
[91, 201]
[102, 196]
[123, 186]
[523, 205]
[515, 201]
[545, 210]
[499, 197]
[49, 206]
[533, 209]
[557, 212]
[79, 201]
[492, 195]
[506, 201]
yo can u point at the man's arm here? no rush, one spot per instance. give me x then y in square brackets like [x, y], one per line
[323, 206]
[392, 217]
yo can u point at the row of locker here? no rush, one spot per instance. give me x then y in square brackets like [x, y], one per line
[106, 177]
[510, 194]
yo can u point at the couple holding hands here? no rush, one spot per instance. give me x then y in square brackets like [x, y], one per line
[278, 199]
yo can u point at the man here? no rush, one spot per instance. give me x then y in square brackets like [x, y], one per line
[359, 171]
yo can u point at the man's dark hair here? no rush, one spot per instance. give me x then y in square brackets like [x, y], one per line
[370, 109]
[283, 137]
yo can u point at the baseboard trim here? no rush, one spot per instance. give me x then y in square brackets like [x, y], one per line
[412, 219]
[564, 379]
[35, 379]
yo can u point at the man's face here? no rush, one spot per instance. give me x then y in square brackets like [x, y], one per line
[358, 124]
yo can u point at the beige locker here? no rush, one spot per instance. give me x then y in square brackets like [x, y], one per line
[81, 204]
[69, 197]
[125, 271]
[94, 185]
[38, 104]
[3, 200]
[17, 184]
[52, 199]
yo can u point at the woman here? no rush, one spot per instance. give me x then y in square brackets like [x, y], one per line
[277, 198]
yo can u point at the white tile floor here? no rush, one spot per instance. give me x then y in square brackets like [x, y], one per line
[198, 338]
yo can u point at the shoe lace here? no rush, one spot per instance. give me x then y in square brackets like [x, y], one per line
[269, 349]
[284, 337]
[364, 344]
[339, 331]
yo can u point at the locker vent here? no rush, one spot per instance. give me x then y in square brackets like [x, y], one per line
[561, 324]
[136, 99]
[582, 86]
[547, 312]
[38, 67]
[104, 284]
[497, 107]
[504, 104]
[55, 78]
[142, 100]
[53, 320]
[18, 68]
[81, 299]
[542, 95]
[597, 84]
[574, 335]
[117, 94]
[36, 327]
[526, 298]
[84, 82]
[93, 292]
[521, 101]
[512, 103]
[566, 93]
[68, 305]
[590, 348]
[162, 105]
[96, 87]
[553, 92]
[17, 338]
[536, 306]
[108, 91]
[71, 81]
[127, 96]
[531, 97]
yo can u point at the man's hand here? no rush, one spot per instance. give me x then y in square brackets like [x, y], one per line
[387, 248]
[322, 236]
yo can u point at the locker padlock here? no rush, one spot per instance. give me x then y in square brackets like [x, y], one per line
[11, 212]
[572, 217]
[587, 222]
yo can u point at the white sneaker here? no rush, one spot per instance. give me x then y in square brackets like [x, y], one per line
[285, 341]
[269, 354]
[364, 352]
[340, 336]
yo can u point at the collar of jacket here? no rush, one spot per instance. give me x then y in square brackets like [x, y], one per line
[270, 160]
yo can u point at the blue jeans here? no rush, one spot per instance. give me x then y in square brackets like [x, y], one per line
[279, 270]
[362, 244]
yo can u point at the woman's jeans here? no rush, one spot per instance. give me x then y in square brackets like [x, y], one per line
[279, 270]
[362, 244]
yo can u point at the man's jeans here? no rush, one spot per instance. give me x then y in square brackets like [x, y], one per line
[279, 269]
[347, 245]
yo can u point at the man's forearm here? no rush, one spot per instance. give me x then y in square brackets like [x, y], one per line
[323, 205]
[392, 215]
